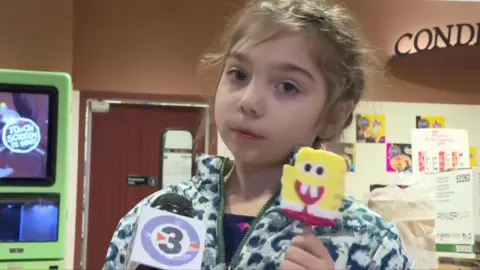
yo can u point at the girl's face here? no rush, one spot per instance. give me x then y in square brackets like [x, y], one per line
[269, 99]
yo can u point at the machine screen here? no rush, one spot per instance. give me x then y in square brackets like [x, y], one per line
[24, 134]
[28, 217]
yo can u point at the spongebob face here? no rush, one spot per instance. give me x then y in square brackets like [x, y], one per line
[311, 173]
[316, 172]
[314, 185]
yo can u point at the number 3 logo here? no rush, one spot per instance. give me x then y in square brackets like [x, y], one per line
[171, 240]
[174, 245]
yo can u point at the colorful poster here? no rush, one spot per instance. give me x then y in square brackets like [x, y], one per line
[349, 155]
[425, 121]
[473, 156]
[370, 128]
[399, 157]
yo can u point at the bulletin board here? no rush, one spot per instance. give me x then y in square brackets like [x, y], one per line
[385, 133]
[400, 118]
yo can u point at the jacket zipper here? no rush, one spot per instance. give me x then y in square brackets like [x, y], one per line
[220, 214]
[250, 230]
[221, 210]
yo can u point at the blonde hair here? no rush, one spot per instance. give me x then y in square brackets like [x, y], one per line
[342, 54]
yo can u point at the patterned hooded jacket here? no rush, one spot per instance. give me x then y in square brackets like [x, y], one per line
[361, 239]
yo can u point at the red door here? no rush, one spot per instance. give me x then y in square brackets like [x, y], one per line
[125, 141]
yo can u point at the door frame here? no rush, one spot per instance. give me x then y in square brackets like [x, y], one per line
[86, 98]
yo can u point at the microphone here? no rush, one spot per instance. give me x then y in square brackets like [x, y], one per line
[167, 236]
[175, 204]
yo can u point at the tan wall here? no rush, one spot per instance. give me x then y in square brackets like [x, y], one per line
[36, 35]
[154, 47]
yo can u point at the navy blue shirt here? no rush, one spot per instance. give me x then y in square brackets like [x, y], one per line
[234, 229]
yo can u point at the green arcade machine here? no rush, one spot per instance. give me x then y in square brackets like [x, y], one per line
[34, 143]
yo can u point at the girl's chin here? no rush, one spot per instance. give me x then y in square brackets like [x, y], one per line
[246, 155]
[255, 156]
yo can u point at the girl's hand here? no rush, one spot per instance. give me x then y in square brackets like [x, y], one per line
[307, 252]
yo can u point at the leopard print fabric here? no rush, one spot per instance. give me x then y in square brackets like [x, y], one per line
[360, 240]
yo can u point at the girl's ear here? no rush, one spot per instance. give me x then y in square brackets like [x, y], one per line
[344, 110]
[336, 119]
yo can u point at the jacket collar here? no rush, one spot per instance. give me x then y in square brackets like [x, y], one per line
[207, 176]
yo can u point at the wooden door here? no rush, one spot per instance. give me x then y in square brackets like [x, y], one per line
[125, 141]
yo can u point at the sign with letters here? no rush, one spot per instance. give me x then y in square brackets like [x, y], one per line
[139, 180]
[425, 39]
[176, 162]
[439, 150]
[457, 215]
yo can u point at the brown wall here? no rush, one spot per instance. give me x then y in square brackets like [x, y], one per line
[153, 47]
[36, 35]
[146, 46]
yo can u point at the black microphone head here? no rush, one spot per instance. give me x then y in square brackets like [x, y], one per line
[175, 204]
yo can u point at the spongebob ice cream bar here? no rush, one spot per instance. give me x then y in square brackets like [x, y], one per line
[313, 187]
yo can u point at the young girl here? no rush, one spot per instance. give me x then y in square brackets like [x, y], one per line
[293, 71]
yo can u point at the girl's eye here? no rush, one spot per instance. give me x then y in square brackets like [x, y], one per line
[287, 88]
[237, 75]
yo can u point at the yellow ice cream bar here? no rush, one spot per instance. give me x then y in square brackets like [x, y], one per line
[313, 187]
